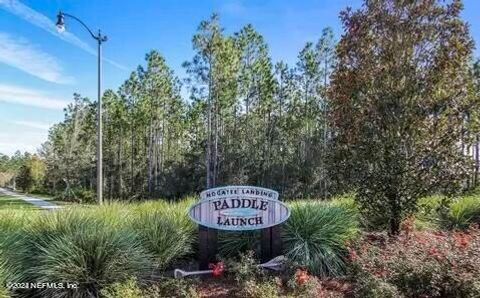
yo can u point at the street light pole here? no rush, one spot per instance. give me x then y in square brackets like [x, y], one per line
[100, 39]
[100, 126]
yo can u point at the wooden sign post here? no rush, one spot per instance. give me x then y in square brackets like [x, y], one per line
[238, 208]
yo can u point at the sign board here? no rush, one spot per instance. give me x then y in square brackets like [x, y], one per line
[239, 208]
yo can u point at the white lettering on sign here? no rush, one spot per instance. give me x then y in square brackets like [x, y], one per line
[239, 208]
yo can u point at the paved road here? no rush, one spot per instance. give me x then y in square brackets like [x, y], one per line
[32, 200]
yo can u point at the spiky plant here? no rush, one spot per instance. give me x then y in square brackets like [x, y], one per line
[165, 230]
[316, 234]
[73, 246]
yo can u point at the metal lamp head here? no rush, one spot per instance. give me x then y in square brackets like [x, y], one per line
[60, 22]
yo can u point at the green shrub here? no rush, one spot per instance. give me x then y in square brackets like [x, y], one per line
[244, 268]
[73, 246]
[260, 289]
[174, 288]
[165, 230]
[251, 280]
[128, 289]
[463, 212]
[369, 286]
[316, 234]
[77, 194]
[429, 210]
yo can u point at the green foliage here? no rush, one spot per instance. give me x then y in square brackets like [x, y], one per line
[231, 244]
[245, 121]
[9, 167]
[4, 279]
[397, 140]
[171, 287]
[128, 289]
[10, 203]
[436, 212]
[244, 267]
[316, 235]
[78, 195]
[252, 280]
[165, 230]
[262, 289]
[464, 212]
[165, 287]
[370, 286]
[73, 246]
[430, 210]
[31, 175]
[94, 246]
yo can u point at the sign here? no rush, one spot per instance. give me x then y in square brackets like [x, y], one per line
[239, 208]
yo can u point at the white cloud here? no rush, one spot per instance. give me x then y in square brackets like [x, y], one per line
[19, 53]
[14, 140]
[29, 97]
[35, 18]
[32, 124]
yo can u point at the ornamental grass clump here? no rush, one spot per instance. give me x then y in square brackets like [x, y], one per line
[73, 247]
[165, 230]
[316, 235]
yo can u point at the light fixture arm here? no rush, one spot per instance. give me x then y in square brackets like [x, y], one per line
[100, 38]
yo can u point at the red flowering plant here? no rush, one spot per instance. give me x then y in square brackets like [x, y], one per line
[217, 269]
[423, 264]
[301, 277]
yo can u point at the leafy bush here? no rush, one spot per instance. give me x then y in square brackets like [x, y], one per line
[244, 268]
[370, 286]
[251, 280]
[262, 289]
[316, 235]
[423, 264]
[170, 287]
[77, 194]
[166, 287]
[302, 284]
[128, 289]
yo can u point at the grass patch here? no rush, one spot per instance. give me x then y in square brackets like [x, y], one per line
[464, 211]
[14, 203]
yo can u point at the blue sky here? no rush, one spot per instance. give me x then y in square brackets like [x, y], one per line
[41, 69]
